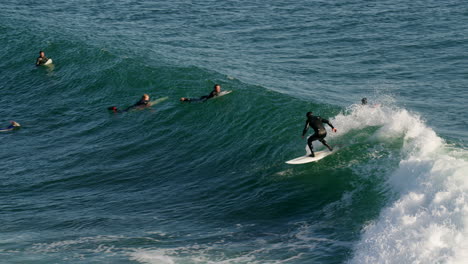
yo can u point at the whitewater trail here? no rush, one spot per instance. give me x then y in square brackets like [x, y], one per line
[427, 223]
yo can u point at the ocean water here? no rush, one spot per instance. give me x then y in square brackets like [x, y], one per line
[207, 182]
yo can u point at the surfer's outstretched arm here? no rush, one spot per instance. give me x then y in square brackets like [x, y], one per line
[328, 123]
[201, 99]
[306, 127]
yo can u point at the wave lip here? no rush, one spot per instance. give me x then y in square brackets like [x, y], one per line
[428, 222]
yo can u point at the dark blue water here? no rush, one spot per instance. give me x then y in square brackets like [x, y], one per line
[207, 182]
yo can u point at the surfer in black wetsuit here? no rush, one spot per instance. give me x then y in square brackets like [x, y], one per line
[316, 123]
[42, 59]
[144, 102]
[364, 101]
[14, 125]
[214, 93]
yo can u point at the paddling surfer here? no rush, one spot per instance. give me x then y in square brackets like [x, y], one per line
[316, 123]
[214, 93]
[13, 125]
[142, 103]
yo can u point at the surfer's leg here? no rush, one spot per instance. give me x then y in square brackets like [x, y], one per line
[309, 143]
[325, 144]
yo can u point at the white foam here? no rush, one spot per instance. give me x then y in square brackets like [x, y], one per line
[428, 222]
[151, 257]
[357, 117]
[191, 254]
[63, 245]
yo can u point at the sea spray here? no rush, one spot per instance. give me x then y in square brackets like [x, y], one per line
[428, 222]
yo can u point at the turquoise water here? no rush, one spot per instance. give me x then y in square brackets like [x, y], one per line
[207, 183]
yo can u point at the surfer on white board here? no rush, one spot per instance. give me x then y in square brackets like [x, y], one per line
[144, 102]
[42, 59]
[214, 93]
[14, 125]
[316, 123]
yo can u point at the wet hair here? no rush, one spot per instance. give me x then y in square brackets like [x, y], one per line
[309, 114]
[41, 51]
[364, 100]
[216, 85]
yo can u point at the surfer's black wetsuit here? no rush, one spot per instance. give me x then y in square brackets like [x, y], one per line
[316, 123]
[140, 103]
[203, 98]
[41, 60]
[10, 127]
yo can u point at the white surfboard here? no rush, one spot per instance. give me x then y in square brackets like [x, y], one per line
[224, 93]
[157, 101]
[306, 159]
[48, 62]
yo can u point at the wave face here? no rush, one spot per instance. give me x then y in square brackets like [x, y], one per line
[207, 182]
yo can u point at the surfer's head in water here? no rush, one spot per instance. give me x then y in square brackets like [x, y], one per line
[364, 101]
[309, 114]
[15, 124]
[144, 101]
[217, 88]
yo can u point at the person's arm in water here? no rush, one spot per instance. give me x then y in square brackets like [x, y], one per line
[184, 99]
[328, 123]
[306, 127]
[38, 61]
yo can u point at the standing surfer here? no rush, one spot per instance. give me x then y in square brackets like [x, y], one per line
[42, 59]
[214, 93]
[316, 123]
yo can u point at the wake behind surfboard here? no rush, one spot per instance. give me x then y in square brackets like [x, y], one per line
[306, 158]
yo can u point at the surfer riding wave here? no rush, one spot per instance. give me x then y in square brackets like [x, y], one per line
[316, 123]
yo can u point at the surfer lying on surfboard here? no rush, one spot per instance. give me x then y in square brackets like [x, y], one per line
[13, 125]
[216, 91]
[316, 123]
[144, 102]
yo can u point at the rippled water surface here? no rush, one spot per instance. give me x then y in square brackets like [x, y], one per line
[207, 182]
